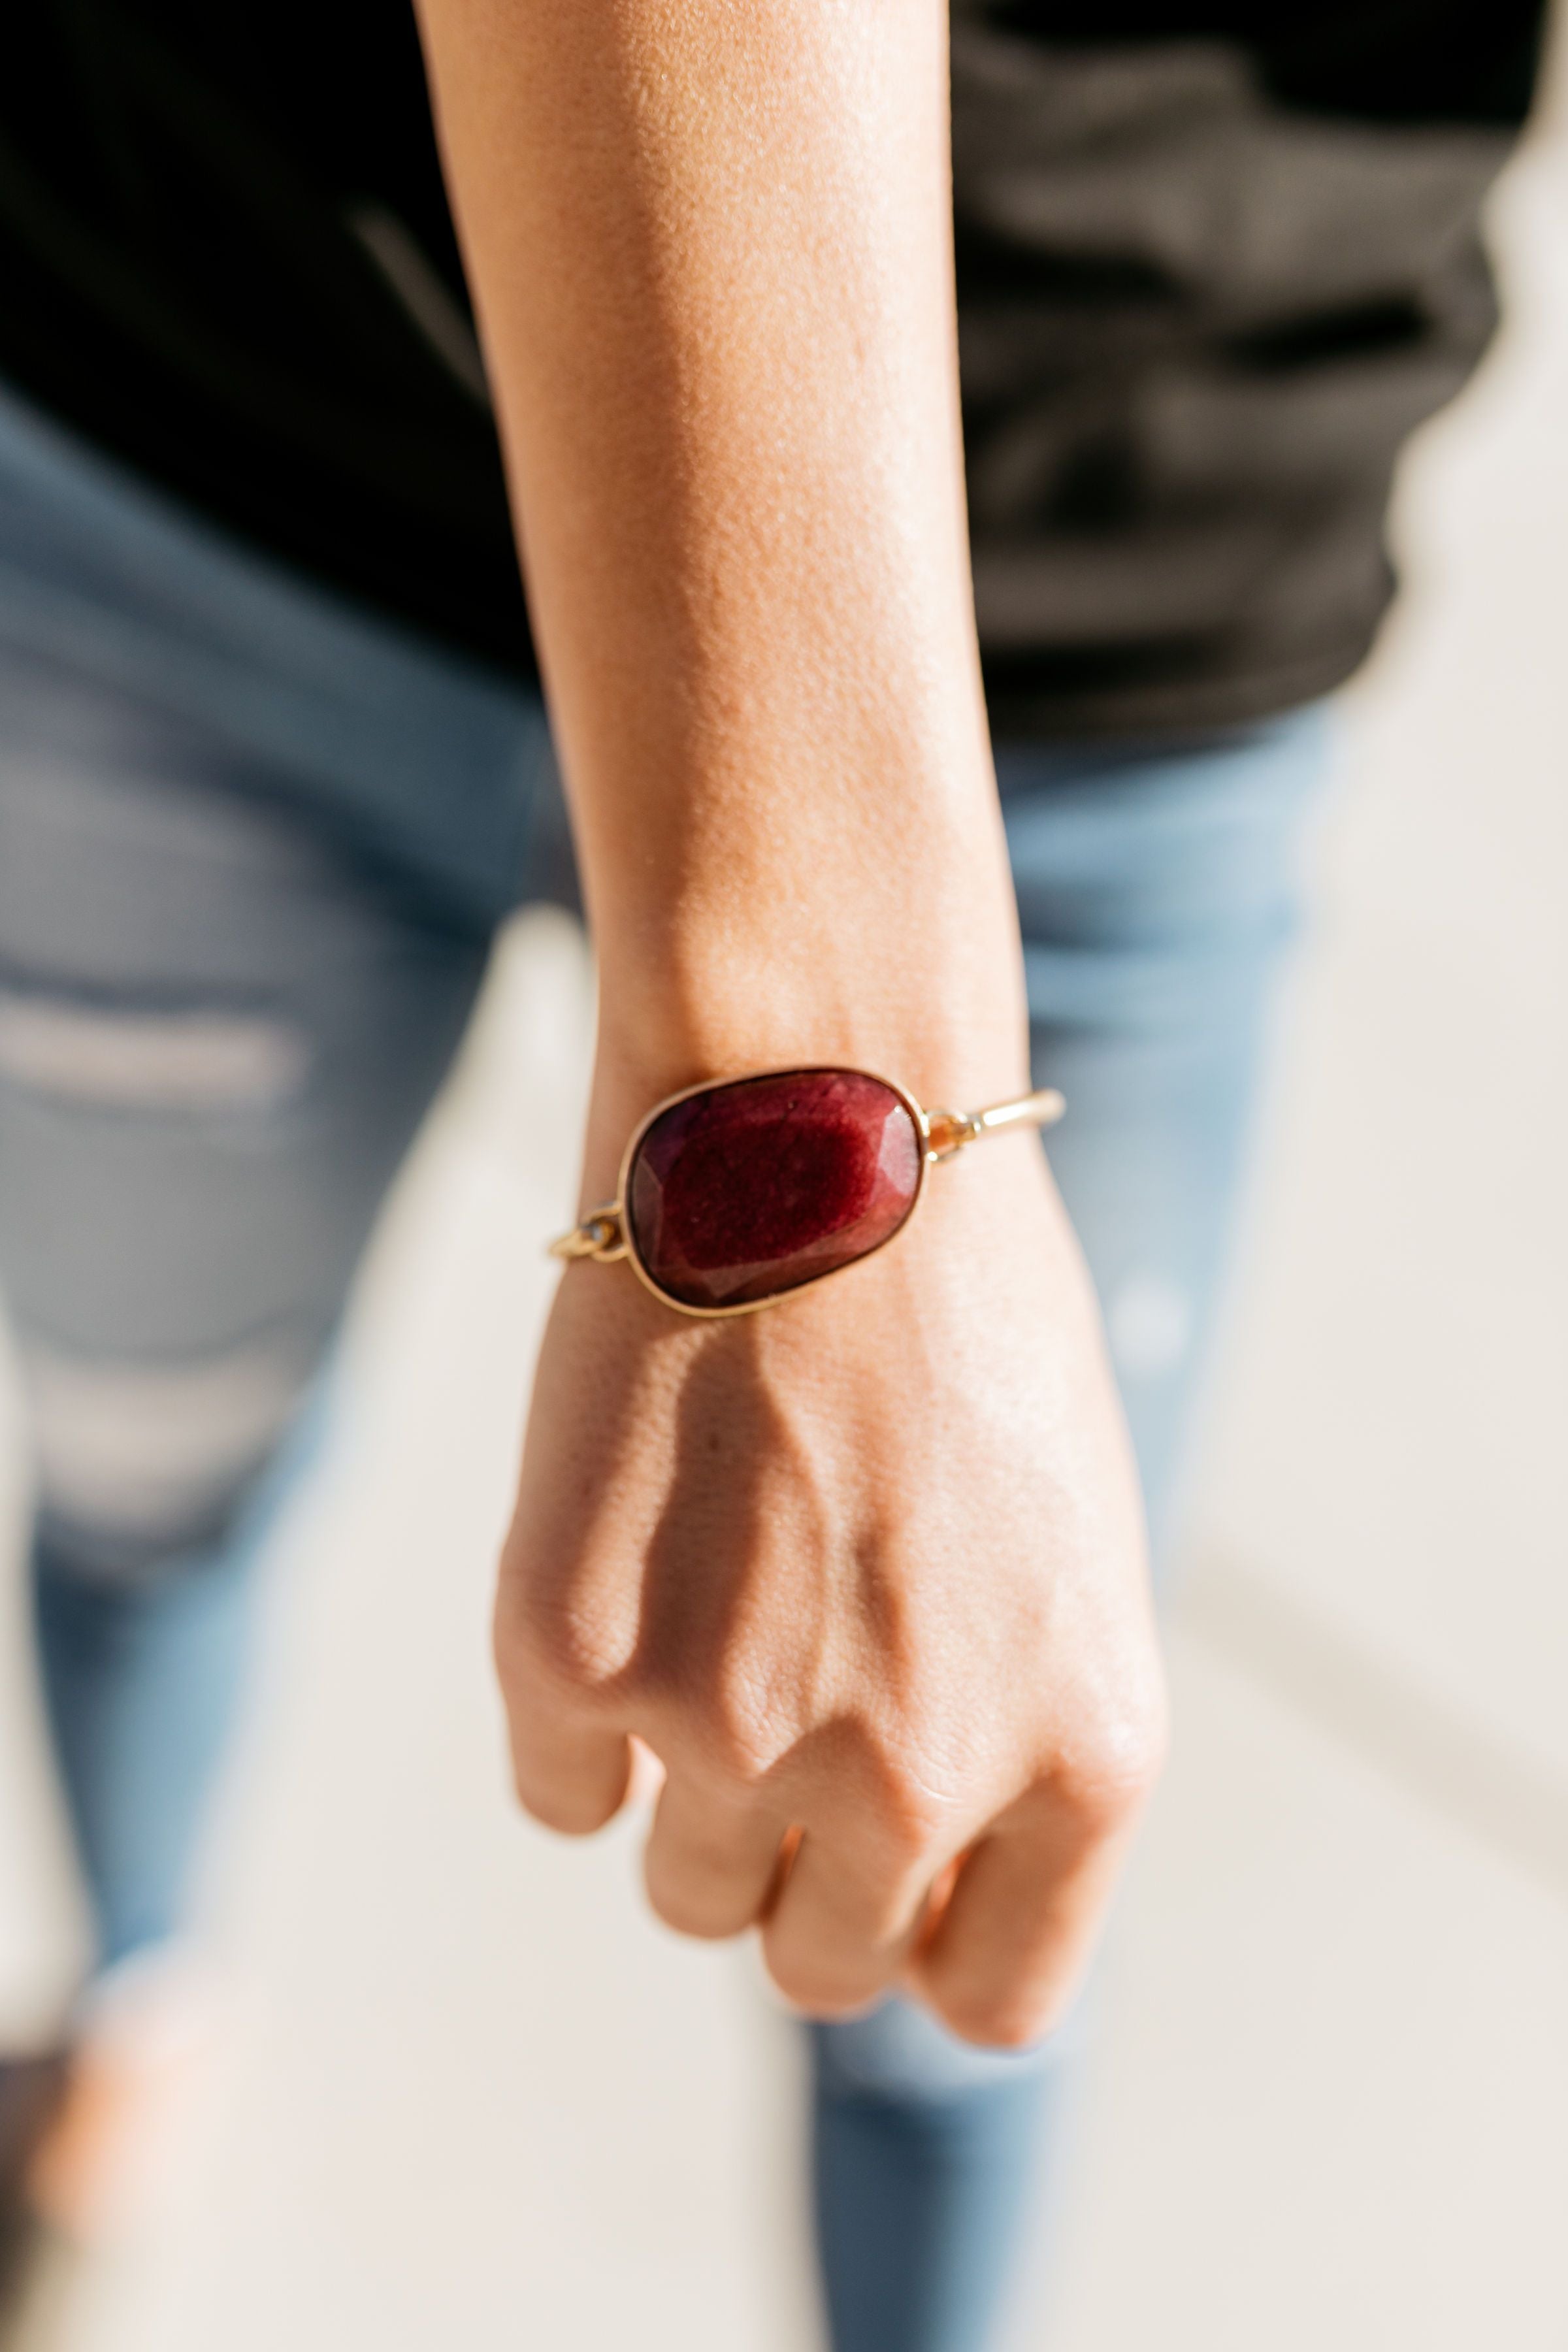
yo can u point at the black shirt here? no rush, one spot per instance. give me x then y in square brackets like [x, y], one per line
[1214, 262]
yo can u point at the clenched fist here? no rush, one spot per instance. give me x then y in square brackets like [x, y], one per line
[866, 1573]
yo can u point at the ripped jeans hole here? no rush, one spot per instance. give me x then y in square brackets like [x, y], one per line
[140, 1059]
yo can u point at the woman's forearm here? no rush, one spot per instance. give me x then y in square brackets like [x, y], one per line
[709, 245]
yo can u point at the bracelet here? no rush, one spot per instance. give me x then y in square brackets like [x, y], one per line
[734, 1193]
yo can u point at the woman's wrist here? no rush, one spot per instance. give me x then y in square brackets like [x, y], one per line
[954, 1033]
[868, 925]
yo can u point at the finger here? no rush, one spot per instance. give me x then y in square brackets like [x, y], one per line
[710, 1860]
[1005, 1954]
[842, 1927]
[570, 1772]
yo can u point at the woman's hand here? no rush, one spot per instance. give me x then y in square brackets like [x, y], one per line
[865, 1573]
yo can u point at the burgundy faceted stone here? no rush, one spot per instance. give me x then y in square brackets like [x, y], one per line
[755, 1187]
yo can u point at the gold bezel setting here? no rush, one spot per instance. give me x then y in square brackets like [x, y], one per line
[604, 1234]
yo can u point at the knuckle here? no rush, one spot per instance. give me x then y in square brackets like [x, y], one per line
[911, 1818]
[822, 1974]
[738, 1745]
[695, 1894]
[704, 1915]
[573, 1642]
[999, 2021]
[911, 1821]
[912, 1814]
[576, 1814]
[1112, 1771]
[1099, 1802]
[816, 1988]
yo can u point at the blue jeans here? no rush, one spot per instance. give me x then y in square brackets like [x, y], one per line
[254, 844]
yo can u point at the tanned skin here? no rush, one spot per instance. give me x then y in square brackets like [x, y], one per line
[864, 1572]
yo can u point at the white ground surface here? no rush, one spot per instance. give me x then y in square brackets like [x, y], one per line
[471, 2096]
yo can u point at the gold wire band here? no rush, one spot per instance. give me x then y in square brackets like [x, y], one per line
[602, 1236]
[948, 1131]
[599, 1237]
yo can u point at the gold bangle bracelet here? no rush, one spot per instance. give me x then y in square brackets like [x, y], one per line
[736, 1193]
